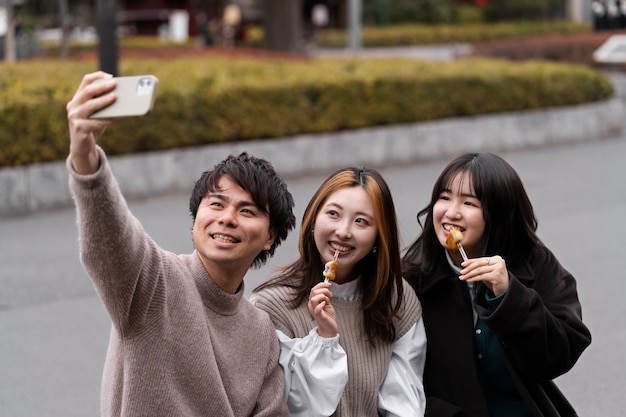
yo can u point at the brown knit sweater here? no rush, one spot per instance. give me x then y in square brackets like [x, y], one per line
[367, 365]
[179, 346]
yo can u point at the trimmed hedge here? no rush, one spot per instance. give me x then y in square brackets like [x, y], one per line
[430, 34]
[203, 101]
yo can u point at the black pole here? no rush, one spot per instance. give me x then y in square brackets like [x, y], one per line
[106, 11]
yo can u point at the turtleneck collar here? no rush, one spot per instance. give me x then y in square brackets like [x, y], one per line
[212, 295]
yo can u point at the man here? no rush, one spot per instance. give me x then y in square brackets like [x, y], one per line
[184, 340]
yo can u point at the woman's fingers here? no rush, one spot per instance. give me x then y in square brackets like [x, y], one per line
[490, 270]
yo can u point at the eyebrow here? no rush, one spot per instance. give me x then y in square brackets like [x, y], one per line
[240, 203]
[359, 213]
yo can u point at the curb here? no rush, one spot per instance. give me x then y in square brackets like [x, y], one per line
[34, 188]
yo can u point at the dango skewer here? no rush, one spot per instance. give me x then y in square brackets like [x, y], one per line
[330, 269]
[455, 236]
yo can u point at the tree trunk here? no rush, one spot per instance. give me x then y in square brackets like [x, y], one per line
[10, 54]
[282, 26]
[65, 30]
[107, 38]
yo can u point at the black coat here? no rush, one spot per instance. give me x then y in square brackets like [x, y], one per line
[538, 324]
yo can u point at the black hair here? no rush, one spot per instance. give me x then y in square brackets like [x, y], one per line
[267, 189]
[510, 223]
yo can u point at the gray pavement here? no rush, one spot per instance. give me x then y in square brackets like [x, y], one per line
[54, 331]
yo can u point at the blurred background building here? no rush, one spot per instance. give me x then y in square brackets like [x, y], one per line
[287, 24]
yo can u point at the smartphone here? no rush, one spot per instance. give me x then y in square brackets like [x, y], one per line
[135, 97]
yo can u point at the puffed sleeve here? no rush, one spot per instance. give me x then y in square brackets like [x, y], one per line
[316, 373]
[402, 391]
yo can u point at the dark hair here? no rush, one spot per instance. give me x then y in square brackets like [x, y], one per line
[266, 187]
[510, 223]
[381, 282]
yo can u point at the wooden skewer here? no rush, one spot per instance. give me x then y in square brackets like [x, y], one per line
[458, 245]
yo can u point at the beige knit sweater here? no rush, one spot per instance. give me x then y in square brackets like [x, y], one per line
[367, 366]
[179, 345]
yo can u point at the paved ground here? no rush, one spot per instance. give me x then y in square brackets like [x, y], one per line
[54, 332]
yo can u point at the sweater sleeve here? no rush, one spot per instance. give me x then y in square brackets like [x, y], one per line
[122, 261]
[316, 373]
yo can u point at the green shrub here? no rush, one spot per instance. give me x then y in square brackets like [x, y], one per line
[524, 10]
[469, 14]
[201, 101]
[400, 12]
[427, 34]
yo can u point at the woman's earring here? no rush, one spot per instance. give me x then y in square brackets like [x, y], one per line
[374, 249]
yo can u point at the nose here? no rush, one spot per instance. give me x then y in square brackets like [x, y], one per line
[454, 211]
[344, 230]
[228, 217]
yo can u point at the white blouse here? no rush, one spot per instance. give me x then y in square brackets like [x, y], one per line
[316, 370]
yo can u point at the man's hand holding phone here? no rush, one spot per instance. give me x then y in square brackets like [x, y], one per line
[135, 96]
[98, 101]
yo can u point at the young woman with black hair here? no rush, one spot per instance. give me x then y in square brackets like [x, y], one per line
[506, 322]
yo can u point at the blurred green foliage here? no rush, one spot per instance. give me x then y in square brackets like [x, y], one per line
[433, 34]
[384, 12]
[208, 100]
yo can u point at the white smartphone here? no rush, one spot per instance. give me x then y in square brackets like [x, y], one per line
[135, 97]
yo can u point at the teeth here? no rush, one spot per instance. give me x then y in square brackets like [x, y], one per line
[450, 227]
[339, 248]
[225, 239]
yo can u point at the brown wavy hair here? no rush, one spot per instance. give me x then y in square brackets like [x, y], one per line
[381, 278]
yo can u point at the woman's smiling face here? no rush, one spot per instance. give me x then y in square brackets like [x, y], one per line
[346, 222]
[457, 207]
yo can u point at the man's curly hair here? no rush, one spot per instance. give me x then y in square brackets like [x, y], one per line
[267, 189]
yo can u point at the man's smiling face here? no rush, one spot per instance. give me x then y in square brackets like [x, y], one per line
[229, 231]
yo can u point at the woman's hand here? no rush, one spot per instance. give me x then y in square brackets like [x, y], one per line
[84, 132]
[322, 311]
[490, 270]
